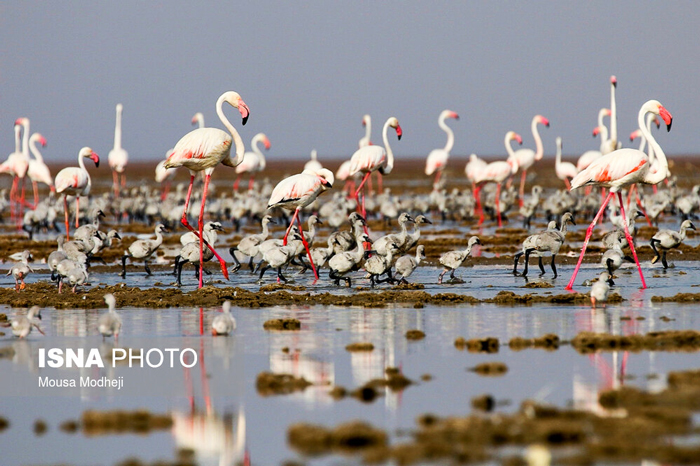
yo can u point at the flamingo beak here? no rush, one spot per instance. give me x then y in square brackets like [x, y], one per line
[267, 144]
[194, 121]
[455, 116]
[425, 220]
[613, 81]
[596, 131]
[478, 241]
[116, 235]
[545, 122]
[95, 158]
[42, 141]
[518, 138]
[668, 119]
[657, 122]
[245, 111]
[399, 132]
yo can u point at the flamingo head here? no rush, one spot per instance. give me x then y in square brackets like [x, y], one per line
[666, 115]
[42, 140]
[22, 121]
[542, 120]
[596, 131]
[366, 120]
[449, 114]
[613, 81]
[635, 134]
[656, 122]
[235, 100]
[394, 123]
[326, 177]
[266, 142]
[513, 136]
[89, 153]
[197, 118]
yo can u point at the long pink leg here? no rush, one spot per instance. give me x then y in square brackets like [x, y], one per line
[359, 188]
[123, 176]
[289, 228]
[77, 211]
[522, 187]
[235, 183]
[13, 198]
[183, 220]
[21, 204]
[498, 204]
[477, 196]
[115, 184]
[202, 241]
[629, 240]
[251, 182]
[306, 246]
[589, 232]
[568, 184]
[65, 210]
[437, 178]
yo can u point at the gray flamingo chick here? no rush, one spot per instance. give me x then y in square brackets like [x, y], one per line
[405, 265]
[668, 239]
[249, 245]
[550, 242]
[22, 325]
[530, 243]
[454, 259]
[601, 289]
[143, 249]
[21, 270]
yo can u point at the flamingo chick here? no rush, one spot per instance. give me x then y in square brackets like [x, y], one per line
[601, 289]
[110, 323]
[143, 249]
[21, 270]
[224, 323]
[405, 265]
[453, 259]
[668, 239]
[22, 325]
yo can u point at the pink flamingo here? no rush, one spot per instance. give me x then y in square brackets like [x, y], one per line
[164, 176]
[38, 172]
[201, 150]
[11, 166]
[343, 174]
[298, 191]
[471, 169]
[527, 157]
[118, 157]
[368, 159]
[621, 168]
[564, 170]
[75, 181]
[20, 166]
[253, 162]
[498, 172]
[437, 159]
[367, 123]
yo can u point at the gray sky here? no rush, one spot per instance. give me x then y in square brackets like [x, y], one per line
[310, 70]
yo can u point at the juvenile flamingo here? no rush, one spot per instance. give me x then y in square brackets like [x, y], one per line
[38, 172]
[437, 159]
[374, 158]
[201, 150]
[527, 157]
[253, 162]
[118, 157]
[75, 181]
[619, 169]
[296, 192]
[498, 172]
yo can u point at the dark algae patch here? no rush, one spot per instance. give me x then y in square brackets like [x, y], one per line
[415, 335]
[268, 384]
[669, 340]
[354, 437]
[282, 324]
[359, 346]
[94, 423]
[490, 369]
[549, 342]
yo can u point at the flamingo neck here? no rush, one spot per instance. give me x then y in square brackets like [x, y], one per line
[660, 174]
[539, 150]
[613, 116]
[35, 151]
[159, 237]
[509, 149]
[25, 140]
[240, 148]
[118, 130]
[558, 158]
[81, 163]
[18, 138]
[601, 115]
[389, 154]
[368, 129]
[603, 136]
[418, 257]
[450, 135]
[265, 229]
[650, 118]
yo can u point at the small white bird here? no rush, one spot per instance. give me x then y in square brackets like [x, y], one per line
[668, 239]
[144, 249]
[21, 270]
[600, 290]
[224, 323]
[453, 259]
[22, 325]
[110, 323]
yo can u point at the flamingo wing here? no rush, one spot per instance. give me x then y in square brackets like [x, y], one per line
[294, 190]
[38, 171]
[617, 168]
[200, 149]
[250, 163]
[437, 159]
[367, 159]
[71, 180]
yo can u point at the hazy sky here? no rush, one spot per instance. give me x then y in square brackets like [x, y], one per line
[310, 70]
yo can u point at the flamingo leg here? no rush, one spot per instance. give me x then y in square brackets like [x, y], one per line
[115, 183]
[183, 220]
[589, 232]
[568, 184]
[498, 204]
[235, 183]
[289, 228]
[369, 184]
[306, 246]
[123, 176]
[202, 242]
[640, 207]
[630, 241]
[437, 179]
[77, 211]
[65, 211]
[479, 208]
[13, 198]
[251, 182]
[166, 189]
[521, 193]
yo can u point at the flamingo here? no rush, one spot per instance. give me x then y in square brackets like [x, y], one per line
[118, 157]
[527, 157]
[471, 169]
[621, 168]
[367, 123]
[437, 159]
[75, 181]
[201, 150]
[612, 143]
[589, 156]
[164, 176]
[296, 192]
[498, 172]
[38, 171]
[17, 164]
[8, 166]
[198, 119]
[252, 162]
[564, 170]
[374, 158]
[313, 164]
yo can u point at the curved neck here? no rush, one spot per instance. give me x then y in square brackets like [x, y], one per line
[81, 162]
[603, 136]
[118, 130]
[389, 153]
[35, 151]
[240, 148]
[539, 150]
[159, 237]
[418, 256]
[660, 174]
[450, 134]
[650, 118]
[563, 229]
[257, 139]
[613, 115]
[509, 148]
[265, 229]
[601, 114]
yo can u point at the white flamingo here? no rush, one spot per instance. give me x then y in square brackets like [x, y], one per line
[437, 159]
[38, 171]
[201, 150]
[118, 157]
[527, 157]
[75, 181]
[564, 170]
[253, 161]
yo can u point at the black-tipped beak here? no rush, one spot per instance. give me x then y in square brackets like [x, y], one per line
[692, 227]
[638, 214]
[245, 120]
[427, 221]
[478, 241]
[668, 126]
[117, 236]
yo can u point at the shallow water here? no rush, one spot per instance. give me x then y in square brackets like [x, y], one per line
[229, 415]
